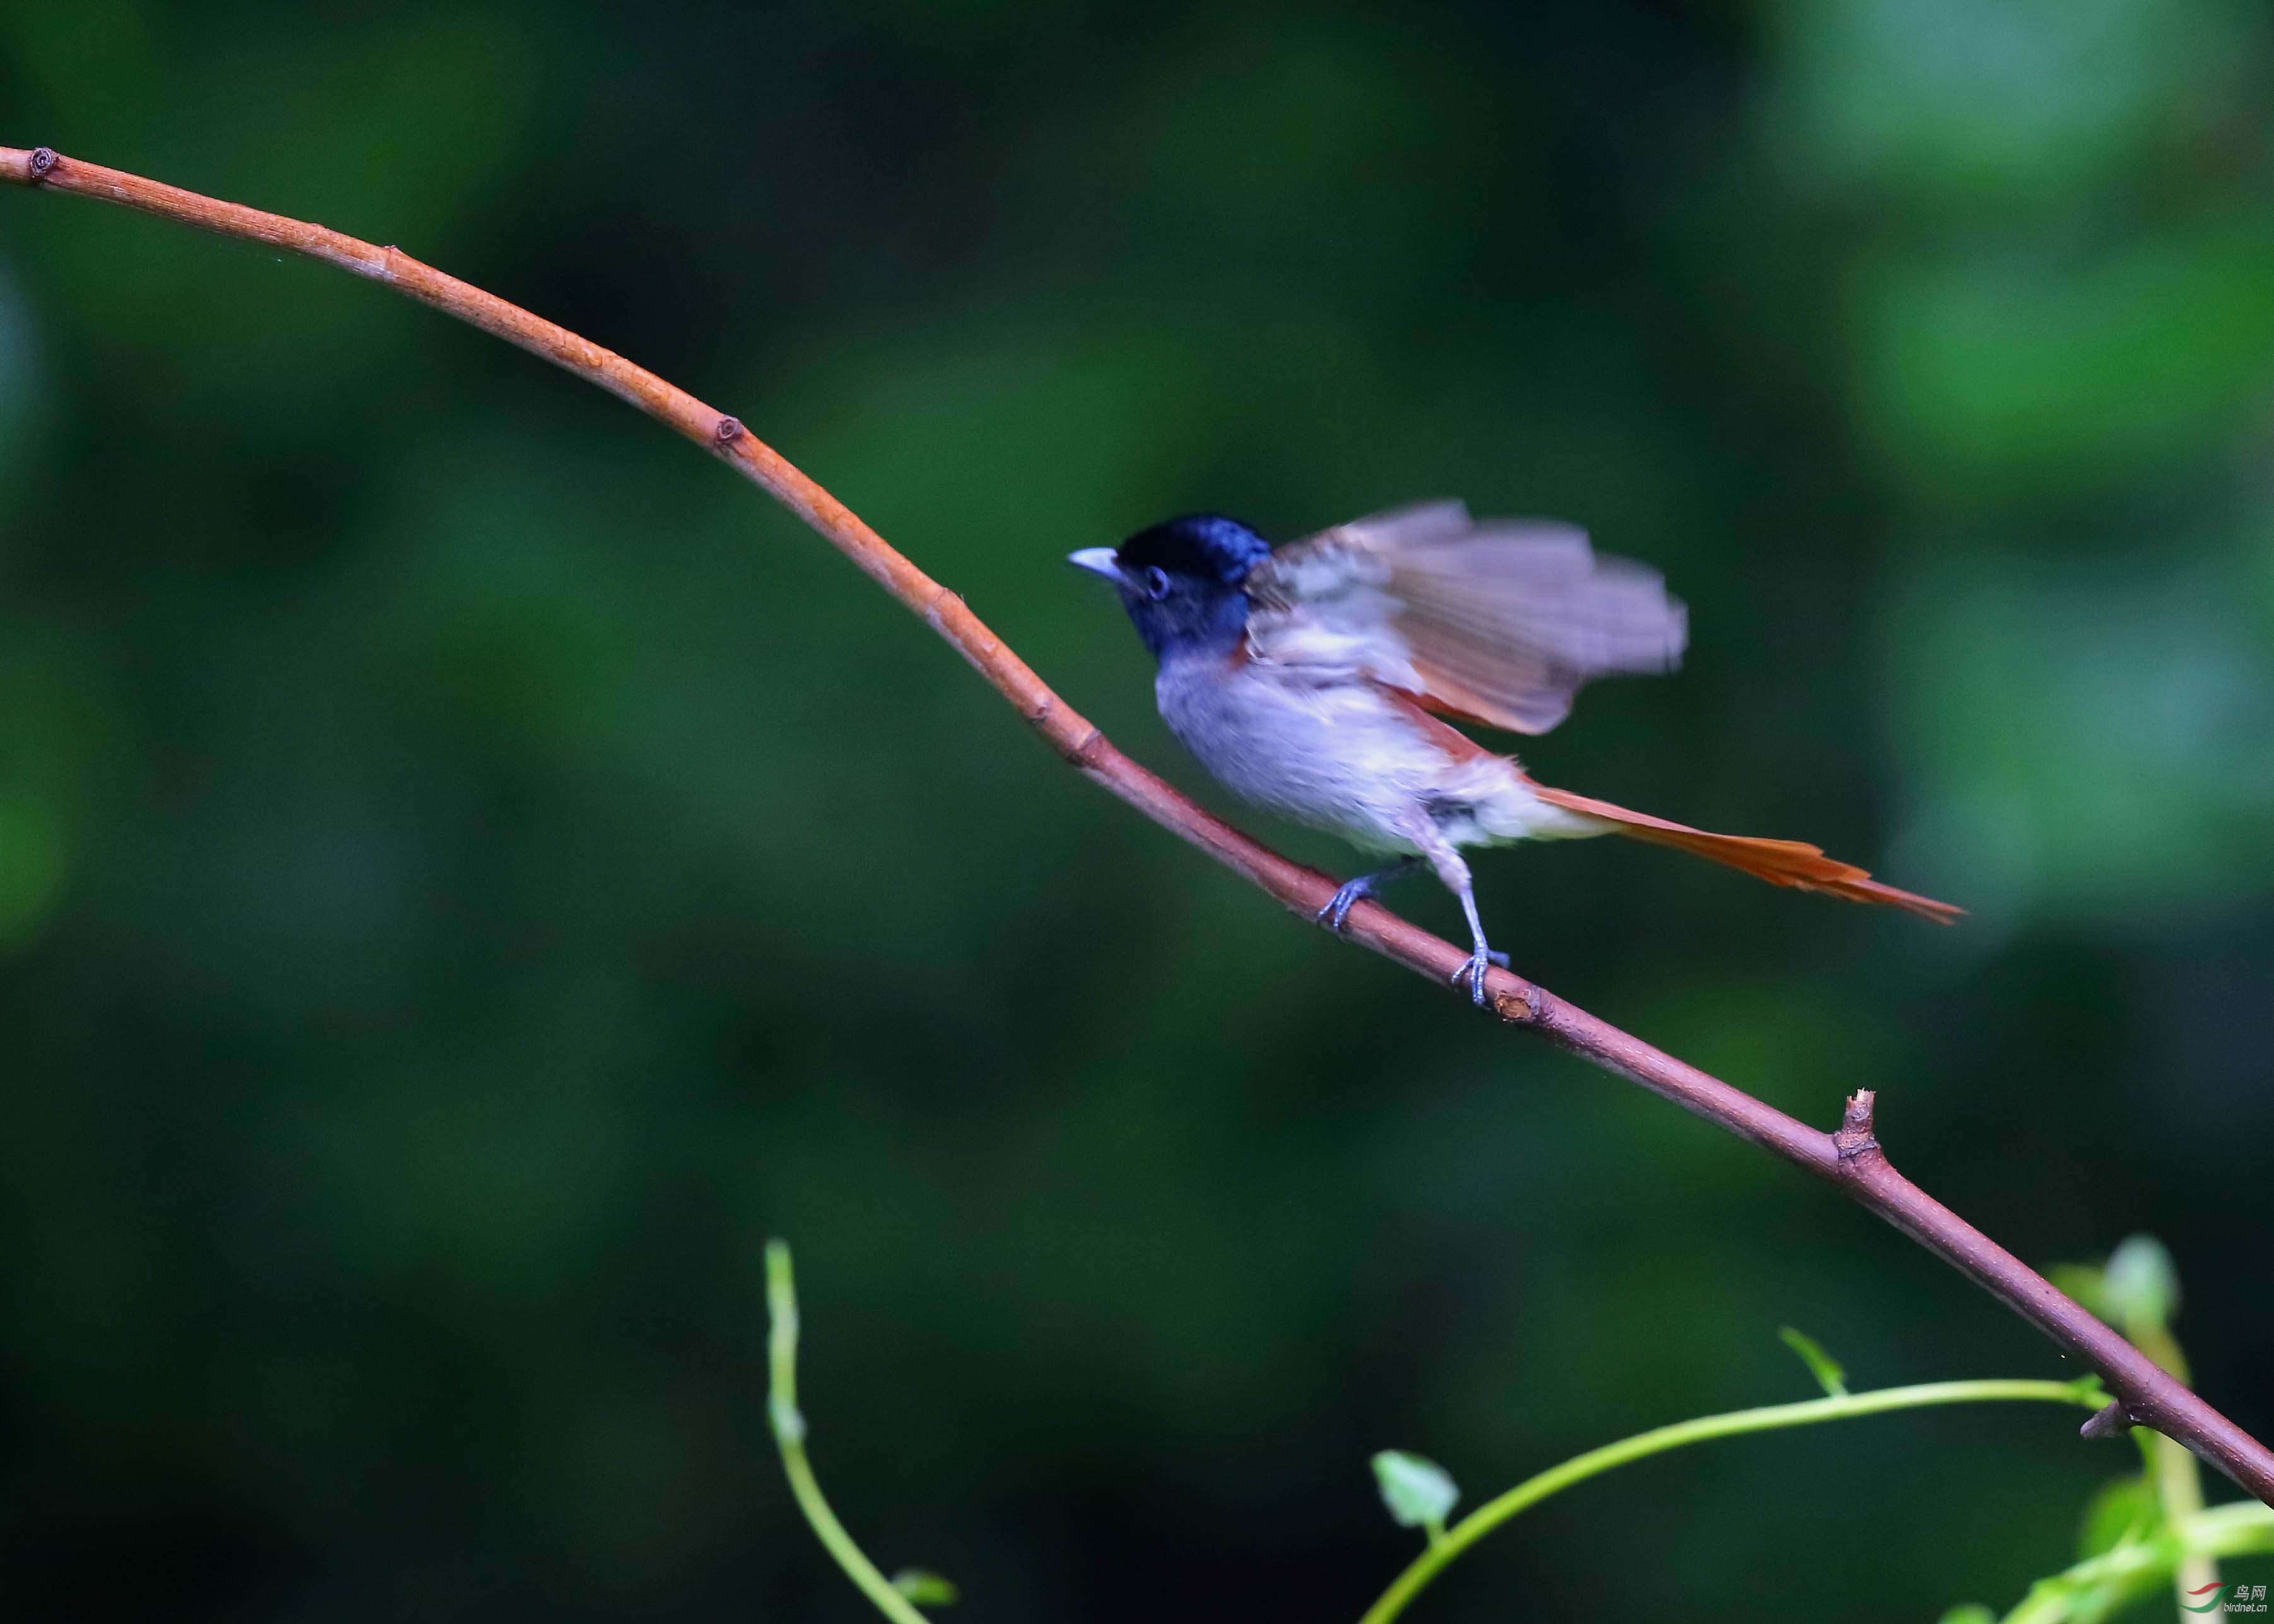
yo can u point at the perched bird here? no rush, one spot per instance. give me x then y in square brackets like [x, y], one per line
[1311, 679]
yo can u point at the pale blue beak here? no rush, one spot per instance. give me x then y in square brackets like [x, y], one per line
[1098, 561]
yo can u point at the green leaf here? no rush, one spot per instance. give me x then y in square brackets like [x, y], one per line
[1969, 1612]
[2120, 1511]
[2087, 1282]
[926, 1589]
[1418, 1492]
[2141, 1286]
[1820, 1364]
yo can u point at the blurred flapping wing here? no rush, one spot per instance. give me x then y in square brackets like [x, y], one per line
[1500, 620]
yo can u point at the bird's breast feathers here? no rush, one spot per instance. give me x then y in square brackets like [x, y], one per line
[1349, 756]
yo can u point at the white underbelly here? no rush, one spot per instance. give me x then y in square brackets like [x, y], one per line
[1341, 757]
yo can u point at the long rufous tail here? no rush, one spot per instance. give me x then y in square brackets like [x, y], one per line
[1779, 862]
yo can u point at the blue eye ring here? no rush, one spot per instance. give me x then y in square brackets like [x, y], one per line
[1157, 583]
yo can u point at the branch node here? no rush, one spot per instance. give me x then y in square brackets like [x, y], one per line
[728, 431]
[2113, 1421]
[1855, 1138]
[44, 160]
[936, 607]
[1084, 755]
[1522, 1009]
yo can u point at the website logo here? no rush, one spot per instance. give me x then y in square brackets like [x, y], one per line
[2245, 1598]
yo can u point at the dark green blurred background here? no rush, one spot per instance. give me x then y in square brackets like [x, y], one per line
[471, 869]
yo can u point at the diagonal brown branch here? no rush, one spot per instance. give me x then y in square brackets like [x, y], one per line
[1850, 1158]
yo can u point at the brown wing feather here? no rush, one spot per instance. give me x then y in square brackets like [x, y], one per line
[1423, 714]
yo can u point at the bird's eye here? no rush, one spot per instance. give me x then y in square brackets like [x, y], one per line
[1157, 582]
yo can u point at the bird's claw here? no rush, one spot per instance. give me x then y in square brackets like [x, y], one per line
[1352, 892]
[1472, 972]
[1349, 896]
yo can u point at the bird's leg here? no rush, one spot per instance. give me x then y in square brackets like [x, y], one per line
[1483, 957]
[1355, 891]
[1454, 874]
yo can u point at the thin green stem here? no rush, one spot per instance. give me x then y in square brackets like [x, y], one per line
[789, 1434]
[1529, 1493]
[2139, 1567]
[2179, 1482]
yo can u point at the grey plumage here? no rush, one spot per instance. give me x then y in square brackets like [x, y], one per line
[1503, 620]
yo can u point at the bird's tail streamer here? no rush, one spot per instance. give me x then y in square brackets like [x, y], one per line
[1779, 862]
